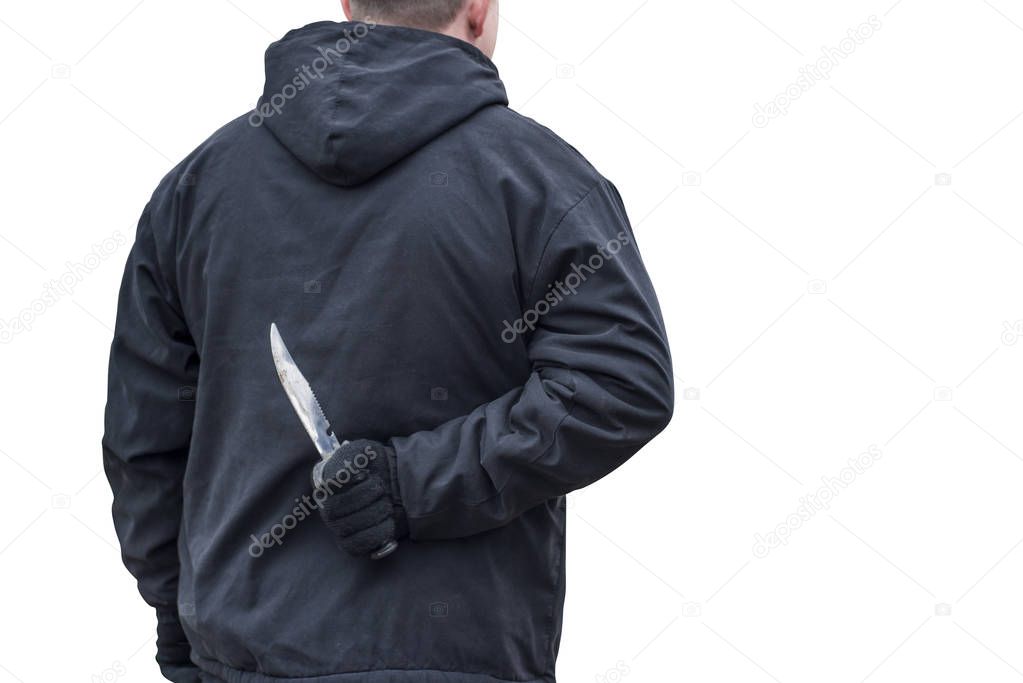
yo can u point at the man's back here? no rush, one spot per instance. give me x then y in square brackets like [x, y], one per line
[454, 280]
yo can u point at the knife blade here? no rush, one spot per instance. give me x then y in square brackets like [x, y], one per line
[302, 398]
[311, 415]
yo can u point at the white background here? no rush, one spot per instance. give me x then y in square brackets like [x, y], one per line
[826, 289]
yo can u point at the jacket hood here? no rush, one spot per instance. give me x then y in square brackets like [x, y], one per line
[351, 99]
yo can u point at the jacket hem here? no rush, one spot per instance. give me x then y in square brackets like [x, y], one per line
[230, 675]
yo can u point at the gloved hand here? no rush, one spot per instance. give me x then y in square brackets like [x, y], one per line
[358, 497]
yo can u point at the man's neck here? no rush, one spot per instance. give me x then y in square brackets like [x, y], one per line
[455, 30]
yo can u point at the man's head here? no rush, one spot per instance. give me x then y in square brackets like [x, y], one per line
[474, 21]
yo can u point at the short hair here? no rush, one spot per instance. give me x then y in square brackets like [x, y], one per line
[428, 14]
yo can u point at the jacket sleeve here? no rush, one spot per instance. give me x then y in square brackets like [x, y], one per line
[600, 386]
[148, 423]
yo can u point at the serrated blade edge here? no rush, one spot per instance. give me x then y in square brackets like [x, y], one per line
[302, 398]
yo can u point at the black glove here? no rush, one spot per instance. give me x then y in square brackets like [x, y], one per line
[358, 497]
[172, 648]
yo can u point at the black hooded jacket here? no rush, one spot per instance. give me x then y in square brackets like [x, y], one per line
[452, 278]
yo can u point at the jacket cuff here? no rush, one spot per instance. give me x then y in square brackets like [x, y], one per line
[400, 518]
[173, 651]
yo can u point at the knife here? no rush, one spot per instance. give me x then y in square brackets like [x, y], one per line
[303, 400]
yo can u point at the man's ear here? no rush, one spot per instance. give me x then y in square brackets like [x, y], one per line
[476, 14]
[346, 5]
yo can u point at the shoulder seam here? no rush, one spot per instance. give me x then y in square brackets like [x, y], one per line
[543, 254]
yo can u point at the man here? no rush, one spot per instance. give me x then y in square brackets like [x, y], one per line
[464, 292]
